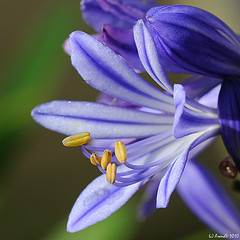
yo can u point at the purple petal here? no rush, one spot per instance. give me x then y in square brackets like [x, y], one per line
[197, 86]
[149, 57]
[122, 10]
[173, 175]
[118, 13]
[104, 98]
[171, 179]
[208, 200]
[229, 117]
[102, 121]
[98, 201]
[122, 42]
[187, 121]
[106, 71]
[195, 40]
[210, 99]
[96, 17]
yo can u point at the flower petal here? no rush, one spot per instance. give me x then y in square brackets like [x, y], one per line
[173, 175]
[149, 56]
[96, 17]
[196, 86]
[108, 72]
[118, 13]
[102, 121]
[187, 121]
[171, 179]
[229, 117]
[98, 201]
[122, 42]
[195, 40]
[208, 200]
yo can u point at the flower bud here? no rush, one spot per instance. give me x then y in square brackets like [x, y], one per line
[195, 40]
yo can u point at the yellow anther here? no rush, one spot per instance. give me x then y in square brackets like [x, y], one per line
[95, 160]
[76, 140]
[111, 172]
[120, 152]
[106, 158]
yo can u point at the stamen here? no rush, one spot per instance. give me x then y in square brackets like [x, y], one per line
[95, 160]
[120, 152]
[111, 173]
[106, 158]
[76, 140]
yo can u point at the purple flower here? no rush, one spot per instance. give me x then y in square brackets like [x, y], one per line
[199, 42]
[148, 127]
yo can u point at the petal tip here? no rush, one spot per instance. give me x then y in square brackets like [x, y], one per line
[162, 204]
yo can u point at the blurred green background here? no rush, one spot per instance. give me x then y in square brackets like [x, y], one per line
[39, 178]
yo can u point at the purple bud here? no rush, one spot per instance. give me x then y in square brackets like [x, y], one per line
[195, 40]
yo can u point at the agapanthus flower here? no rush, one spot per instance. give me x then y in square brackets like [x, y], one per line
[145, 147]
[199, 42]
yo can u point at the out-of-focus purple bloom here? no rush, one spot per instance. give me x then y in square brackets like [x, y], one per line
[199, 42]
[154, 154]
[118, 13]
[206, 197]
[113, 20]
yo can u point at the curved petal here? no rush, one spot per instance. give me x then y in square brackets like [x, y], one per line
[118, 13]
[171, 179]
[210, 99]
[229, 117]
[149, 56]
[122, 42]
[196, 86]
[98, 201]
[173, 175]
[195, 40]
[96, 17]
[102, 121]
[108, 72]
[187, 121]
[208, 200]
